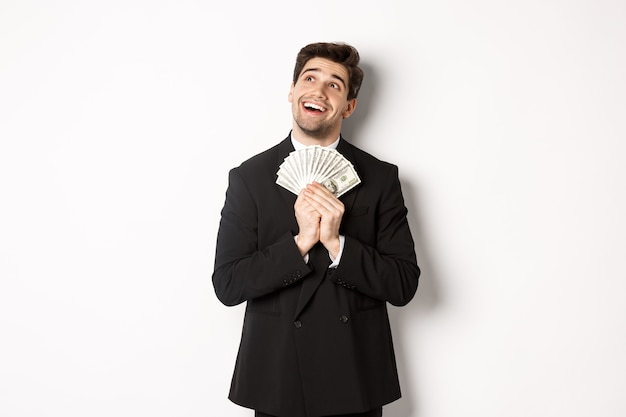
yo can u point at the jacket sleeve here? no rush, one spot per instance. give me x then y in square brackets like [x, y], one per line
[385, 268]
[242, 269]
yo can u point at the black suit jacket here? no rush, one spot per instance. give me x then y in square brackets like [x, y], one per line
[315, 341]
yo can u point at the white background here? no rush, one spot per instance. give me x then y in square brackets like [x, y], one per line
[119, 121]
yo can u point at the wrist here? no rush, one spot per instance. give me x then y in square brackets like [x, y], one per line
[304, 245]
[333, 246]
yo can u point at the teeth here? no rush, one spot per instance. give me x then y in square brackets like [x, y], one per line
[314, 106]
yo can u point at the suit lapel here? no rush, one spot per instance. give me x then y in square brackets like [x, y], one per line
[282, 151]
[348, 198]
[318, 258]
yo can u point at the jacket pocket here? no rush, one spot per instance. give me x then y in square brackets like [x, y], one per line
[363, 302]
[268, 304]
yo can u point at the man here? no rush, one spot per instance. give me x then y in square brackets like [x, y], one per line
[315, 270]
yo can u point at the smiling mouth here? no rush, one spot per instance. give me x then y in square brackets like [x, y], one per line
[314, 107]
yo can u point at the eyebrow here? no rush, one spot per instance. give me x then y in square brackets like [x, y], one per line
[319, 70]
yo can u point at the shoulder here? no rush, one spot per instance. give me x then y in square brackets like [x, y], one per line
[267, 160]
[365, 161]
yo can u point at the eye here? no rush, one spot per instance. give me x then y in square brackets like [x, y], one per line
[334, 85]
[309, 78]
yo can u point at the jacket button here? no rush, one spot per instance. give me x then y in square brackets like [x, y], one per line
[298, 324]
[344, 319]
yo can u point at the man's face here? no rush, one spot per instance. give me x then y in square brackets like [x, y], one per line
[319, 98]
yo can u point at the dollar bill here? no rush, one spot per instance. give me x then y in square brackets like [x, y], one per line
[315, 163]
[342, 180]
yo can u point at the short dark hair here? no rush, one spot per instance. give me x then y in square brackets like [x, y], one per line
[340, 53]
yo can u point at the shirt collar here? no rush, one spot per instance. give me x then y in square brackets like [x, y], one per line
[297, 145]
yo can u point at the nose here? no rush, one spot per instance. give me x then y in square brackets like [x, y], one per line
[319, 91]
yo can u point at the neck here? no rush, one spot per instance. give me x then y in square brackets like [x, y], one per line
[310, 140]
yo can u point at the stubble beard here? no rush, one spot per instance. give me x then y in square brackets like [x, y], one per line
[315, 129]
[320, 132]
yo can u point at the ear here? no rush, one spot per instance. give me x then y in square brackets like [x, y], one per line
[350, 107]
[290, 96]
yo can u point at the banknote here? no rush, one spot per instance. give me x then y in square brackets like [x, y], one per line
[317, 164]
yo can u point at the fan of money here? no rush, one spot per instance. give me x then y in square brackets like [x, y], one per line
[317, 164]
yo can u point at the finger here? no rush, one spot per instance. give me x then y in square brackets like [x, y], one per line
[319, 188]
[322, 199]
[322, 193]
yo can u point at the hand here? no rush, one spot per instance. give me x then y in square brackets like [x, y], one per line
[308, 219]
[330, 209]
